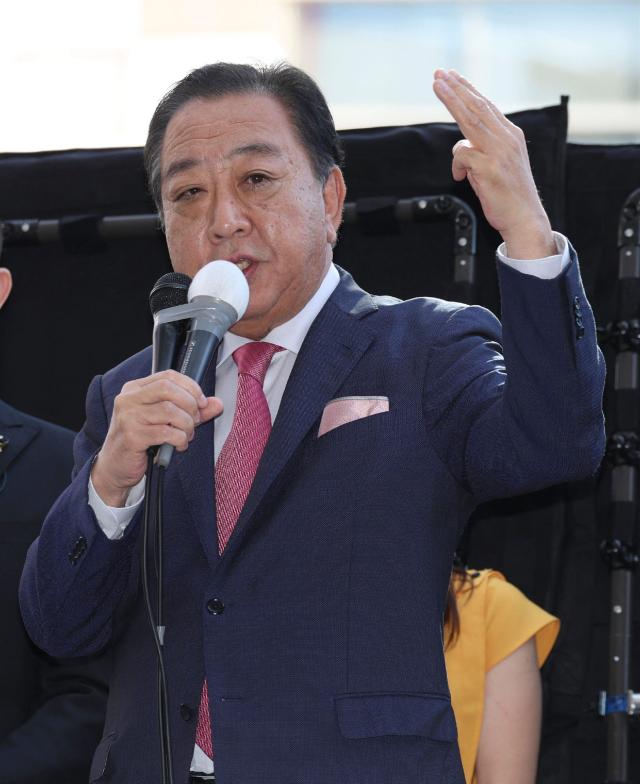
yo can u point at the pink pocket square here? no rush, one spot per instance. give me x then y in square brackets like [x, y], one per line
[347, 409]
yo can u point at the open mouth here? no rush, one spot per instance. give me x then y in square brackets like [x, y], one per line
[246, 264]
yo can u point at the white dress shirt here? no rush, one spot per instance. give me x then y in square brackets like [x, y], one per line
[290, 336]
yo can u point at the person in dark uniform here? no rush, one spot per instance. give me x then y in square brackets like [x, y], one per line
[51, 710]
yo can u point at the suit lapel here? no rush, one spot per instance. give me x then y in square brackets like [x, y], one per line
[332, 348]
[19, 433]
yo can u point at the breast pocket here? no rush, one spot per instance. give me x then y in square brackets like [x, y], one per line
[353, 438]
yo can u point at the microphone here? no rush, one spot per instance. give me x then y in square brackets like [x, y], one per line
[169, 291]
[218, 297]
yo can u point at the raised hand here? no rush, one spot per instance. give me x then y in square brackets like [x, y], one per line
[164, 408]
[493, 157]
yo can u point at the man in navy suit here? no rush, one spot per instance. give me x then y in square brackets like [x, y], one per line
[51, 711]
[318, 629]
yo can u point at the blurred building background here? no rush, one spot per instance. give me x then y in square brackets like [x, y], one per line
[79, 73]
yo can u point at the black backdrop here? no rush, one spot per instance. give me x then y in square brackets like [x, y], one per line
[80, 306]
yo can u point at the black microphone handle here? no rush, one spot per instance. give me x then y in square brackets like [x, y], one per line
[165, 346]
[200, 346]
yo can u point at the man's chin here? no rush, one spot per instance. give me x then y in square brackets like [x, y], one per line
[248, 327]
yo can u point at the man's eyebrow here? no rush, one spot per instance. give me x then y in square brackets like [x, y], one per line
[259, 148]
[256, 148]
[179, 166]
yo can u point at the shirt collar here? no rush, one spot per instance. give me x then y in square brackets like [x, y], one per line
[292, 333]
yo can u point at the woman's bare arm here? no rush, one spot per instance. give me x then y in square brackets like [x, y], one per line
[510, 734]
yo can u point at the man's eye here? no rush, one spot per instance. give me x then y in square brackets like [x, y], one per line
[188, 194]
[257, 179]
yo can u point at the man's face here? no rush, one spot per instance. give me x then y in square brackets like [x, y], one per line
[238, 185]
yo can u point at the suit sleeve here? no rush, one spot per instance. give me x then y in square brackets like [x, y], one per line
[57, 741]
[75, 578]
[518, 407]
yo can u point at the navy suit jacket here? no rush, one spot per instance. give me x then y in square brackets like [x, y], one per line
[51, 711]
[322, 647]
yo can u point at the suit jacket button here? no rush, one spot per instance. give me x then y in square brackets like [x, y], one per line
[215, 606]
[186, 712]
[80, 545]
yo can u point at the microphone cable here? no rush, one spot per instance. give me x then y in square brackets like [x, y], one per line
[169, 291]
[156, 618]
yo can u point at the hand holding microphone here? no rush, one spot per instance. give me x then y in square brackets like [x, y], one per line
[218, 296]
[166, 407]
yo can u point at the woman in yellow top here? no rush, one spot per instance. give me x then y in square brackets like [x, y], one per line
[493, 655]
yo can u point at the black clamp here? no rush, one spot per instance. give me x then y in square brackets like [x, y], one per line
[629, 223]
[623, 448]
[619, 555]
[384, 214]
[20, 232]
[623, 335]
[464, 230]
[629, 238]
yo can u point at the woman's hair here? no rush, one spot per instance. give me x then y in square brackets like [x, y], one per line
[461, 577]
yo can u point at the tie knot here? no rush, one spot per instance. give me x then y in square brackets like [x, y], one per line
[254, 359]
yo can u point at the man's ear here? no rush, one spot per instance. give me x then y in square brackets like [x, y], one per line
[6, 282]
[334, 193]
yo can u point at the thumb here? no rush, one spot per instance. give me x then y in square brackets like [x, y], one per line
[212, 409]
[465, 157]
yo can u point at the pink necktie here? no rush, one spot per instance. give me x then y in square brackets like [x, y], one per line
[236, 468]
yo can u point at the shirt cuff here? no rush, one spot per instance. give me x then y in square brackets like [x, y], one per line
[547, 268]
[113, 520]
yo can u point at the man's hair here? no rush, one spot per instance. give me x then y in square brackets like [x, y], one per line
[296, 91]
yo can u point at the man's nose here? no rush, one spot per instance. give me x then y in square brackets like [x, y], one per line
[227, 219]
